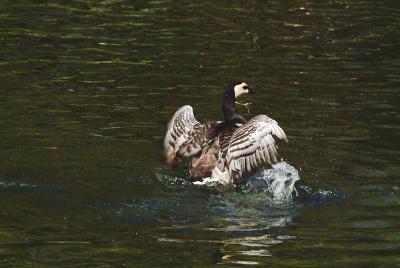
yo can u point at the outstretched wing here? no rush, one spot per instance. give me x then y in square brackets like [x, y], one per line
[184, 136]
[253, 144]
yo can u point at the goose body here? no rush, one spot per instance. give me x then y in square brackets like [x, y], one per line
[222, 150]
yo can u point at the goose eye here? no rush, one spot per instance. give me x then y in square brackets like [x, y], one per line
[245, 87]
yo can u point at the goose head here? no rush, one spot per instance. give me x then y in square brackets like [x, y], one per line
[236, 89]
[232, 92]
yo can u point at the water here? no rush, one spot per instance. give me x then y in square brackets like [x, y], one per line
[87, 88]
[280, 181]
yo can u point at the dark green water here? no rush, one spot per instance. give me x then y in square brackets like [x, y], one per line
[87, 87]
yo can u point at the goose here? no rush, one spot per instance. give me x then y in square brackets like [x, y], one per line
[223, 150]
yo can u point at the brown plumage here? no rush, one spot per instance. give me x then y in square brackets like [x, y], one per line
[232, 146]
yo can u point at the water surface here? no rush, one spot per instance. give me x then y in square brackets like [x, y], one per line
[87, 88]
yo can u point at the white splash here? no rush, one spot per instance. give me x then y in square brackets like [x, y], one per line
[279, 180]
[217, 178]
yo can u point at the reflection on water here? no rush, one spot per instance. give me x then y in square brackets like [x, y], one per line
[245, 217]
[87, 87]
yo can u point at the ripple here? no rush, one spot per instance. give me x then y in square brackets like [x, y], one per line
[12, 184]
[87, 88]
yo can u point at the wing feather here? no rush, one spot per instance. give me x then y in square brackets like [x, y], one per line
[253, 144]
[185, 136]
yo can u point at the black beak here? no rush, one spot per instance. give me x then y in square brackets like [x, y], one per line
[251, 91]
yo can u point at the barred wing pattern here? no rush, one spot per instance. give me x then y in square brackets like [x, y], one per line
[253, 144]
[184, 137]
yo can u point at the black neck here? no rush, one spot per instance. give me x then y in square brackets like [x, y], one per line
[228, 108]
[228, 105]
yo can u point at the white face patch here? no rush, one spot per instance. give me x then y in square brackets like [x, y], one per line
[239, 89]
